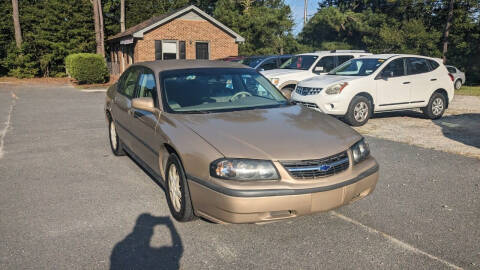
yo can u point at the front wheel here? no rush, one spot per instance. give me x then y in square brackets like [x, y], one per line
[178, 194]
[458, 84]
[435, 107]
[359, 111]
[287, 92]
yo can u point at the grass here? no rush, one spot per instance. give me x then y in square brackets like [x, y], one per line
[468, 91]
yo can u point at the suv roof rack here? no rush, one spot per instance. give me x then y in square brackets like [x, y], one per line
[348, 51]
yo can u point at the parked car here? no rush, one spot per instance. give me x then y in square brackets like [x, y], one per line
[233, 58]
[458, 76]
[218, 137]
[262, 63]
[376, 83]
[308, 65]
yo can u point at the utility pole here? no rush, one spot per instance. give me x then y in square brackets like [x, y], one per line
[122, 15]
[305, 5]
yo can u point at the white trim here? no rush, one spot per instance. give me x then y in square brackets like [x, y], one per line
[238, 38]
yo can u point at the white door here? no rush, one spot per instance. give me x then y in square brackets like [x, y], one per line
[421, 78]
[393, 86]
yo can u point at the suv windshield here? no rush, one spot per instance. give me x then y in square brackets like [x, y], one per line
[358, 67]
[302, 62]
[252, 61]
[205, 90]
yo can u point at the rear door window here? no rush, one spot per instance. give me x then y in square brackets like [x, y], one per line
[395, 68]
[417, 66]
[327, 63]
[128, 82]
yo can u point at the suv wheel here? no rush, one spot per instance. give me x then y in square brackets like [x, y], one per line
[435, 107]
[458, 84]
[178, 194]
[287, 92]
[359, 111]
[115, 143]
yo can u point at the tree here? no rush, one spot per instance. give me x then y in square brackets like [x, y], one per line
[16, 24]
[447, 30]
[122, 15]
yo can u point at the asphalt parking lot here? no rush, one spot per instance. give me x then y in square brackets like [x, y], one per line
[67, 203]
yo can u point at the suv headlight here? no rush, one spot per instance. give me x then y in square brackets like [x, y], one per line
[336, 88]
[243, 169]
[275, 81]
[360, 151]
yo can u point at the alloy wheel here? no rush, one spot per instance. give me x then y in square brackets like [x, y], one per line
[437, 106]
[113, 135]
[360, 112]
[174, 188]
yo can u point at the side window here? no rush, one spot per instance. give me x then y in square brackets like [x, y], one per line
[128, 81]
[343, 58]
[269, 64]
[146, 85]
[394, 69]
[325, 64]
[451, 70]
[433, 64]
[254, 87]
[283, 60]
[417, 66]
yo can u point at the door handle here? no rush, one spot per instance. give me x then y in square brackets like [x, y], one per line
[406, 82]
[433, 80]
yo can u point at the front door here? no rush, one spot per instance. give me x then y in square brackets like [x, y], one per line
[201, 50]
[393, 87]
[144, 122]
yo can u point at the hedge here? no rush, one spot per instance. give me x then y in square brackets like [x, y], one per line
[87, 67]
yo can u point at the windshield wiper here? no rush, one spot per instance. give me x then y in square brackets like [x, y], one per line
[195, 112]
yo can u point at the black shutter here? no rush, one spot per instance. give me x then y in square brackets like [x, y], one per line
[158, 50]
[181, 45]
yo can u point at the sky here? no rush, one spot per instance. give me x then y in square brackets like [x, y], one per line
[297, 12]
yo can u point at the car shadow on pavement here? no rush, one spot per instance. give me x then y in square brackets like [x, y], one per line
[463, 128]
[135, 251]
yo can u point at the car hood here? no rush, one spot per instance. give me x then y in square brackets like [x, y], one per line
[286, 133]
[274, 73]
[326, 80]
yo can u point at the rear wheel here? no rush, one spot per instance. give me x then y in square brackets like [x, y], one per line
[436, 106]
[359, 111]
[287, 92]
[115, 143]
[458, 84]
[178, 194]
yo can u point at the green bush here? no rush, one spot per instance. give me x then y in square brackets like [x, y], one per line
[86, 68]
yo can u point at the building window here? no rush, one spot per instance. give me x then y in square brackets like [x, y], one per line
[202, 50]
[169, 49]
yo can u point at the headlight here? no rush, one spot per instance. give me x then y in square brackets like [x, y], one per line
[360, 151]
[243, 169]
[275, 81]
[336, 88]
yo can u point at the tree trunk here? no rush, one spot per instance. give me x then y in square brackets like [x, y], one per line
[447, 30]
[16, 24]
[96, 21]
[102, 33]
[122, 15]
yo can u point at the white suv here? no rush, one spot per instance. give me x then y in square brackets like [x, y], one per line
[362, 86]
[308, 65]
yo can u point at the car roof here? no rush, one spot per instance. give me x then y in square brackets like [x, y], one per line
[340, 52]
[388, 56]
[162, 65]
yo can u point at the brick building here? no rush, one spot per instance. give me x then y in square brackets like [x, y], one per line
[187, 33]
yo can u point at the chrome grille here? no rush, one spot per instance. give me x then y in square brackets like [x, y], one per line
[317, 168]
[306, 91]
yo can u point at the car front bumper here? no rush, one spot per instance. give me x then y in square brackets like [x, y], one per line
[329, 104]
[224, 205]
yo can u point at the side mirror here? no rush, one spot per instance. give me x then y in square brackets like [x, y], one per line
[318, 69]
[143, 103]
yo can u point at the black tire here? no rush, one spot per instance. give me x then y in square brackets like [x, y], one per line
[350, 116]
[185, 213]
[458, 84]
[432, 110]
[117, 148]
[287, 92]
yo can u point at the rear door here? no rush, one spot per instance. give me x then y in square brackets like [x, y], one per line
[122, 103]
[422, 80]
[393, 86]
[143, 123]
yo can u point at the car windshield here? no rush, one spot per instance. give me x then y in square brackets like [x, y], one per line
[205, 90]
[358, 67]
[252, 61]
[302, 62]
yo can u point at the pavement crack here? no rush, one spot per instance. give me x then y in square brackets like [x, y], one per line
[394, 240]
[7, 124]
